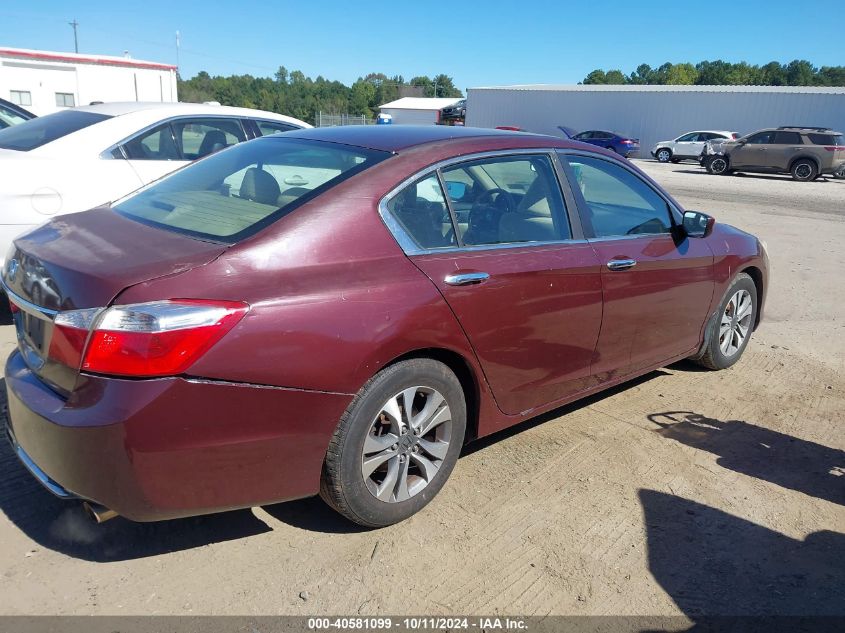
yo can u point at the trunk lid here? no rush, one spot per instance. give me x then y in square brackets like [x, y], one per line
[85, 260]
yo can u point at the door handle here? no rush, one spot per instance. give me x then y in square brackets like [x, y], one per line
[621, 264]
[466, 279]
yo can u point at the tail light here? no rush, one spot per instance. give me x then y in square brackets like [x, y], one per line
[627, 141]
[162, 338]
[834, 148]
[734, 136]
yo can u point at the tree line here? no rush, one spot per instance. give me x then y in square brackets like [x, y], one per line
[798, 72]
[295, 94]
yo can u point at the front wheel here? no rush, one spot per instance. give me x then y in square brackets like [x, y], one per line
[732, 327]
[663, 155]
[396, 444]
[717, 165]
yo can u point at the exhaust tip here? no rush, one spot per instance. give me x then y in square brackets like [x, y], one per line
[99, 513]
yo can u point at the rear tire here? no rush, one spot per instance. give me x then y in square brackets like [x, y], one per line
[804, 170]
[731, 330]
[414, 461]
[663, 155]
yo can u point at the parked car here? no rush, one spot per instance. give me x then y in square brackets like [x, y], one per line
[317, 311]
[622, 145]
[78, 158]
[455, 112]
[12, 114]
[804, 152]
[688, 146]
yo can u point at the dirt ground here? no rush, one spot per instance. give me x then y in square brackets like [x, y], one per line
[685, 492]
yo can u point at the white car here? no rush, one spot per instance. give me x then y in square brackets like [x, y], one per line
[79, 158]
[688, 146]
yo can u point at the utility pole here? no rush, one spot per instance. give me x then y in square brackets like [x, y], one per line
[177, 51]
[75, 24]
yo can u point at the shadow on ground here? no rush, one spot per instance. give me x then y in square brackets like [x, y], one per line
[813, 469]
[785, 177]
[714, 564]
[64, 526]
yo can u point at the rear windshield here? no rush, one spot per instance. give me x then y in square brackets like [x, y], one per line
[237, 192]
[827, 139]
[37, 132]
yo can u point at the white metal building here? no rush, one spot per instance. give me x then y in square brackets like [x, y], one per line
[655, 113]
[416, 110]
[45, 81]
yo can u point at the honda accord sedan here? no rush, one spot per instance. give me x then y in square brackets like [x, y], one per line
[339, 310]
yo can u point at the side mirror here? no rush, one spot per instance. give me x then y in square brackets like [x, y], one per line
[698, 224]
[456, 189]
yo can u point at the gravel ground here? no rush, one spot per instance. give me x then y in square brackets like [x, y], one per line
[685, 492]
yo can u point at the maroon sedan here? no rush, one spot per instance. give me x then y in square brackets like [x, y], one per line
[340, 310]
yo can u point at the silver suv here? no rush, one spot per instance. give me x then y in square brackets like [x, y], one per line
[804, 152]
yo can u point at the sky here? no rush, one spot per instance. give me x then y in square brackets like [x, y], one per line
[477, 43]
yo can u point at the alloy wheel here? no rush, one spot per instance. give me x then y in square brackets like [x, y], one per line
[736, 322]
[803, 171]
[406, 444]
[719, 165]
[663, 155]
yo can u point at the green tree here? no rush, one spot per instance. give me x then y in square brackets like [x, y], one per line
[426, 84]
[773, 74]
[596, 77]
[615, 77]
[643, 75]
[800, 72]
[681, 74]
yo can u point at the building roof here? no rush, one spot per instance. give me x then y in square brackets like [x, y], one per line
[77, 58]
[666, 88]
[420, 103]
[393, 138]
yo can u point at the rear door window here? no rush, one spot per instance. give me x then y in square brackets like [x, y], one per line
[46, 129]
[422, 211]
[155, 144]
[513, 199]
[788, 138]
[200, 137]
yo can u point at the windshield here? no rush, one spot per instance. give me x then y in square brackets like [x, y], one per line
[42, 130]
[237, 192]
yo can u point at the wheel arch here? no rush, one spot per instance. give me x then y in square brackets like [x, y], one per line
[809, 157]
[466, 376]
[757, 277]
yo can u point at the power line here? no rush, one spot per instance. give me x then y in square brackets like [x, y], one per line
[75, 24]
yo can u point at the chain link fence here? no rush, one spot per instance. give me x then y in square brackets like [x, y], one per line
[333, 120]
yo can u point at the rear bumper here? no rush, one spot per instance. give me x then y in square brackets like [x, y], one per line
[171, 447]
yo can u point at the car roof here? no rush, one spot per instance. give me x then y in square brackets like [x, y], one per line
[120, 108]
[394, 138]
